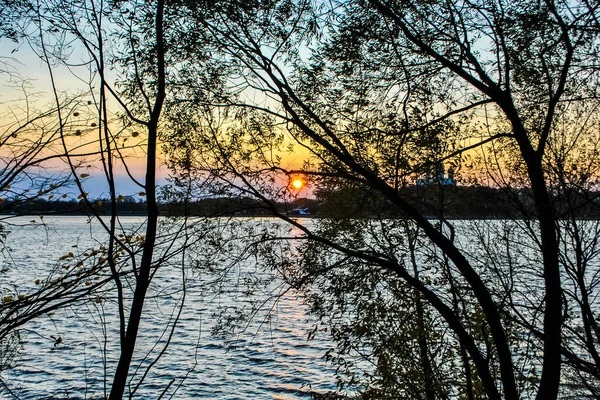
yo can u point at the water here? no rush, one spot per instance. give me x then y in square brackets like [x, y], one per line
[271, 359]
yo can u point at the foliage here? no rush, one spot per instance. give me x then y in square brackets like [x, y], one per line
[382, 98]
[380, 94]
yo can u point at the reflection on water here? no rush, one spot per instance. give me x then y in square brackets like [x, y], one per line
[272, 358]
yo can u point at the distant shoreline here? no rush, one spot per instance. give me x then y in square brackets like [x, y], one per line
[432, 202]
[265, 216]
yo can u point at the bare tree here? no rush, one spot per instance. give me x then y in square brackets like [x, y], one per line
[117, 111]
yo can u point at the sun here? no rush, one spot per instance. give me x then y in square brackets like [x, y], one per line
[297, 183]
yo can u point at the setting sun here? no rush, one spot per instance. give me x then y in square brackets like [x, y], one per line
[297, 183]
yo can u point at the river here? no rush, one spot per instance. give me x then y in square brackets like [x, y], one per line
[222, 347]
[271, 359]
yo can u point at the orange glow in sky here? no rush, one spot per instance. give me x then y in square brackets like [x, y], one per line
[297, 183]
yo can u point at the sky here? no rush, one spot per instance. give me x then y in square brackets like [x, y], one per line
[25, 85]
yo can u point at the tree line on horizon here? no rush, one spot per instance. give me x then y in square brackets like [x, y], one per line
[468, 202]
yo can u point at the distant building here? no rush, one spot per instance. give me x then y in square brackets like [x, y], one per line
[440, 178]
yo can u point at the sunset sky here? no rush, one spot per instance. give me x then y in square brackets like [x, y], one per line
[27, 87]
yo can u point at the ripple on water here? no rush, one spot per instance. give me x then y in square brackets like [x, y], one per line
[267, 361]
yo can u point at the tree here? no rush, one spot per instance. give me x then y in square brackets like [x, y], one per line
[380, 93]
[122, 94]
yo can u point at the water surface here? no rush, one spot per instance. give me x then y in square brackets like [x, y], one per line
[271, 358]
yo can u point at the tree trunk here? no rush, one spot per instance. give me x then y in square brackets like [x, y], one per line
[143, 274]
